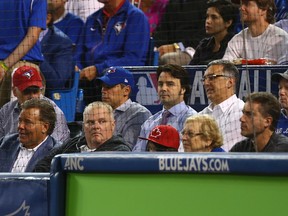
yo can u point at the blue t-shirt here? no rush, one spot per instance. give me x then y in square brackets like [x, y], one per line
[282, 126]
[16, 17]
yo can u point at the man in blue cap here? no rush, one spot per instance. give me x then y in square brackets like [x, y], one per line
[117, 84]
[282, 80]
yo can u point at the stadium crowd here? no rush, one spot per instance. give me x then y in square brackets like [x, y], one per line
[41, 48]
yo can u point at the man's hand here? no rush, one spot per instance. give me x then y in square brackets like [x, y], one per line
[88, 73]
[166, 49]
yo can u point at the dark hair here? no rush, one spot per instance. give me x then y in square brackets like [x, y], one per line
[177, 72]
[227, 10]
[270, 106]
[162, 148]
[270, 6]
[228, 68]
[47, 111]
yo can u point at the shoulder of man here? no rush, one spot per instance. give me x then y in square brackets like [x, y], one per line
[115, 143]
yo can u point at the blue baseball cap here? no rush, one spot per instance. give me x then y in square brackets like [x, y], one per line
[117, 75]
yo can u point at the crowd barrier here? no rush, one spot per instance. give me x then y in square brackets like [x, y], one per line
[24, 194]
[252, 78]
[169, 184]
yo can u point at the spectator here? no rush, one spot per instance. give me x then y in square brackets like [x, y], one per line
[258, 123]
[117, 85]
[21, 151]
[221, 16]
[261, 39]
[99, 125]
[27, 84]
[220, 82]
[68, 23]
[21, 23]
[201, 134]
[162, 138]
[180, 31]
[82, 8]
[115, 35]
[282, 80]
[173, 91]
[57, 48]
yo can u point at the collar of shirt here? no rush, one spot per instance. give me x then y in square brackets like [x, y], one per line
[107, 14]
[224, 105]
[85, 148]
[123, 107]
[35, 148]
[284, 113]
[177, 109]
[61, 18]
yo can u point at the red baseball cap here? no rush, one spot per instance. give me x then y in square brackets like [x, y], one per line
[26, 76]
[164, 135]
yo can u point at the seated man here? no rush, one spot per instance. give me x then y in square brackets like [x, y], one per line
[258, 123]
[117, 85]
[282, 80]
[21, 151]
[27, 84]
[68, 23]
[99, 125]
[174, 92]
[261, 39]
[57, 49]
[115, 35]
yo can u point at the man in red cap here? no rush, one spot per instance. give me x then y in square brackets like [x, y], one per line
[27, 84]
[163, 138]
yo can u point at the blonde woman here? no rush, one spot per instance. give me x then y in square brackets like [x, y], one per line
[201, 134]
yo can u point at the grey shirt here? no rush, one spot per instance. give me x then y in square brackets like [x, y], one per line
[129, 117]
[9, 115]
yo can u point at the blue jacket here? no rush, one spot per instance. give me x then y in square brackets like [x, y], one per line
[71, 25]
[10, 147]
[58, 65]
[124, 42]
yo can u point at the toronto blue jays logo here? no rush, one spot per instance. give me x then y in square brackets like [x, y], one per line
[110, 70]
[28, 74]
[22, 210]
[119, 26]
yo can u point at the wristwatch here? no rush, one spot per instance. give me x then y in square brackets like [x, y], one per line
[176, 46]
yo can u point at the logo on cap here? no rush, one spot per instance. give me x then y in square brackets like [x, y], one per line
[156, 133]
[28, 74]
[111, 70]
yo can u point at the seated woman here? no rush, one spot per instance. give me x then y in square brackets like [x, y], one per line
[201, 134]
[163, 138]
[221, 17]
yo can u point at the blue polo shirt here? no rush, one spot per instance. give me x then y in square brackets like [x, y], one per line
[16, 17]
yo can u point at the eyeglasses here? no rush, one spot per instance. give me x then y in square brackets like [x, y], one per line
[212, 77]
[190, 134]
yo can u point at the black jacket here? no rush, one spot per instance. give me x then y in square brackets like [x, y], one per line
[277, 143]
[115, 143]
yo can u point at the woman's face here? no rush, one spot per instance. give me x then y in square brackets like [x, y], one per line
[193, 140]
[214, 22]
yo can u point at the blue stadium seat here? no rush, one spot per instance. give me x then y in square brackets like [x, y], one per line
[66, 98]
[152, 57]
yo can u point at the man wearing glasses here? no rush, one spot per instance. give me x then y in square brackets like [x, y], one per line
[27, 84]
[220, 82]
